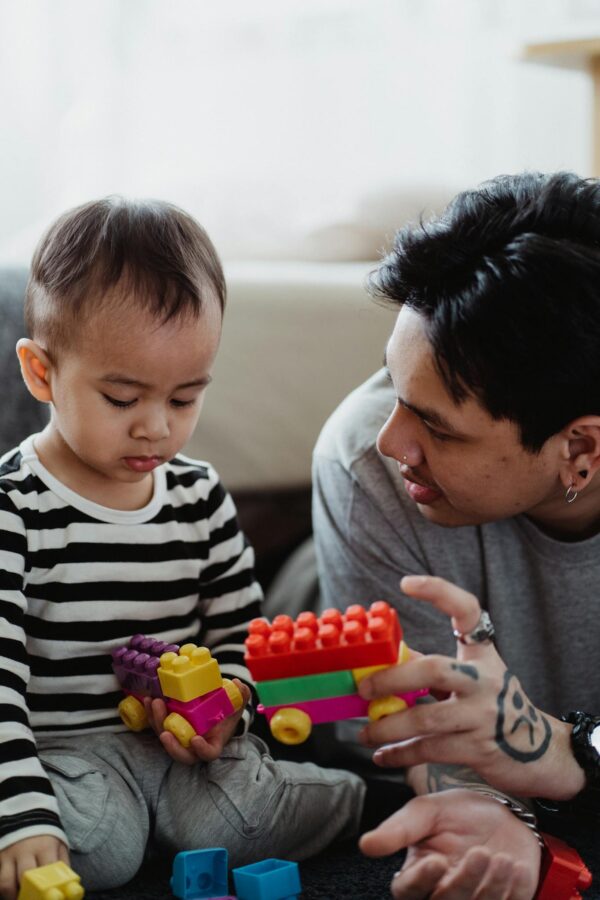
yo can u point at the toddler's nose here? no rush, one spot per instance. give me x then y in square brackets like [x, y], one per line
[153, 426]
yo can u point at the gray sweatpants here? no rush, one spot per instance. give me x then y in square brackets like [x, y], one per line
[119, 793]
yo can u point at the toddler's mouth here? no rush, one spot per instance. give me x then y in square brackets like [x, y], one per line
[142, 463]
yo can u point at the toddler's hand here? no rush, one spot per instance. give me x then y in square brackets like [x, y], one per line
[28, 854]
[205, 748]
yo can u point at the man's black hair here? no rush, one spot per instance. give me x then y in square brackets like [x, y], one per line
[507, 280]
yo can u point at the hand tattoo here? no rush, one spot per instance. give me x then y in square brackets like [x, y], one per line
[471, 671]
[521, 732]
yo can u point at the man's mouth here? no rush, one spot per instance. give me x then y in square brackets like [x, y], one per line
[422, 494]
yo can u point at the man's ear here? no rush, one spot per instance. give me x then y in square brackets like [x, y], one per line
[35, 369]
[581, 452]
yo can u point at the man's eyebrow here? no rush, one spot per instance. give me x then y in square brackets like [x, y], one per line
[430, 416]
[117, 378]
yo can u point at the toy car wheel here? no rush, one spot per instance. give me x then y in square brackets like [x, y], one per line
[385, 706]
[133, 713]
[291, 726]
[180, 727]
[234, 694]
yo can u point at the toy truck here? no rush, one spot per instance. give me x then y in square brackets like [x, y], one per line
[187, 678]
[307, 671]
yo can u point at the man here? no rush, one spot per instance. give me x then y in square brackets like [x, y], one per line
[485, 476]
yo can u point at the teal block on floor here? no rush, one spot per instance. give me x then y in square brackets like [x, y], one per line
[269, 879]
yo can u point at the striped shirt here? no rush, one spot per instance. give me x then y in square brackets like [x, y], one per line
[78, 579]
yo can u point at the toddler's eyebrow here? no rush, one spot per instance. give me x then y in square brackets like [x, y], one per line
[133, 382]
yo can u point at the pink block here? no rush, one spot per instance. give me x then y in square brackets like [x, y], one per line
[204, 712]
[334, 709]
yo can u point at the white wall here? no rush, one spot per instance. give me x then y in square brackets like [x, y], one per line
[270, 119]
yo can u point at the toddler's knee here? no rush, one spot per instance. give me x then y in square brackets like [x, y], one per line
[107, 868]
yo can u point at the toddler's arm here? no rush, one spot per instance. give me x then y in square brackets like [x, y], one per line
[28, 854]
[28, 807]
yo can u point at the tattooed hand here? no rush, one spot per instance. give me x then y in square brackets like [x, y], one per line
[486, 722]
[459, 844]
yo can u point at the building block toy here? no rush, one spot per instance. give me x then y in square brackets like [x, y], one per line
[306, 687]
[187, 678]
[55, 881]
[270, 879]
[308, 670]
[563, 873]
[200, 875]
[332, 642]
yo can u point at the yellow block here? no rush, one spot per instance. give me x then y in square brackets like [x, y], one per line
[359, 674]
[189, 674]
[55, 881]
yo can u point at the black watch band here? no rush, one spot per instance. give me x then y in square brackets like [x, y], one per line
[585, 744]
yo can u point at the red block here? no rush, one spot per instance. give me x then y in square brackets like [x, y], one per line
[563, 873]
[311, 645]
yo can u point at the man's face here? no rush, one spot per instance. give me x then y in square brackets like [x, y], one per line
[460, 466]
[128, 397]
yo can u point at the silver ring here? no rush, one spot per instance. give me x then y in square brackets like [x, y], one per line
[481, 634]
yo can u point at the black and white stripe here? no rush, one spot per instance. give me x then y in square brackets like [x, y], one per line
[76, 580]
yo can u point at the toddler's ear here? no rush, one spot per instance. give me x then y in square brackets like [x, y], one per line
[35, 366]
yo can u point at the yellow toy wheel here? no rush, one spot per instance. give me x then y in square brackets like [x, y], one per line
[234, 694]
[385, 706]
[133, 713]
[291, 726]
[73, 892]
[180, 727]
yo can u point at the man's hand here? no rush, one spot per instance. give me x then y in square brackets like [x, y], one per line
[486, 722]
[461, 846]
[204, 748]
[28, 854]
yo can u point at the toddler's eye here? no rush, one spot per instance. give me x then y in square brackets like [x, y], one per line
[180, 404]
[121, 404]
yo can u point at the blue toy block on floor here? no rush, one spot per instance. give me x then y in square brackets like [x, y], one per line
[200, 874]
[269, 879]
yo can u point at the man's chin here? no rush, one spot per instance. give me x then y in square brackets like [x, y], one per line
[443, 515]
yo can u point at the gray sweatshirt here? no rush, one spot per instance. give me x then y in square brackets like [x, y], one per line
[543, 594]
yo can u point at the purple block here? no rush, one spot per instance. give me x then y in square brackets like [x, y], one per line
[136, 669]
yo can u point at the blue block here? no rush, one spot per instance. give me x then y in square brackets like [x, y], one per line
[270, 879]
[200, 874]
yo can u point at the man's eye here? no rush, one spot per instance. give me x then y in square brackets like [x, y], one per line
[121, 404]
[437, 435]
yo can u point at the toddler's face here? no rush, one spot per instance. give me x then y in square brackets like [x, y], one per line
[128, 398]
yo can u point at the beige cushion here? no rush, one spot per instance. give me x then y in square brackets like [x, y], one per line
[297, 338]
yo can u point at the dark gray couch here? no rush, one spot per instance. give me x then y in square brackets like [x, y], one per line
[20, 414]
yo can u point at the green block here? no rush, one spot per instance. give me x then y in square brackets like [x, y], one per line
[306, 687]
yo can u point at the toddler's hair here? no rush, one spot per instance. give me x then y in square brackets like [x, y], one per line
[157, 254]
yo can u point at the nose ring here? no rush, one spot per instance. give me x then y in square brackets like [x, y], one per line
[405, 458]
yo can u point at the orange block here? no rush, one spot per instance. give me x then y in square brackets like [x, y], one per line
[313, 644]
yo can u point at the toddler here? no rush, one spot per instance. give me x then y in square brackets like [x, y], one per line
[107, 530]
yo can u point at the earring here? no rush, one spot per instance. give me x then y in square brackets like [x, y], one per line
[405, 458]
[571, 495]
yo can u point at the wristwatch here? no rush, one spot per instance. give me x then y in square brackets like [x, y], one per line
[585, 744]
